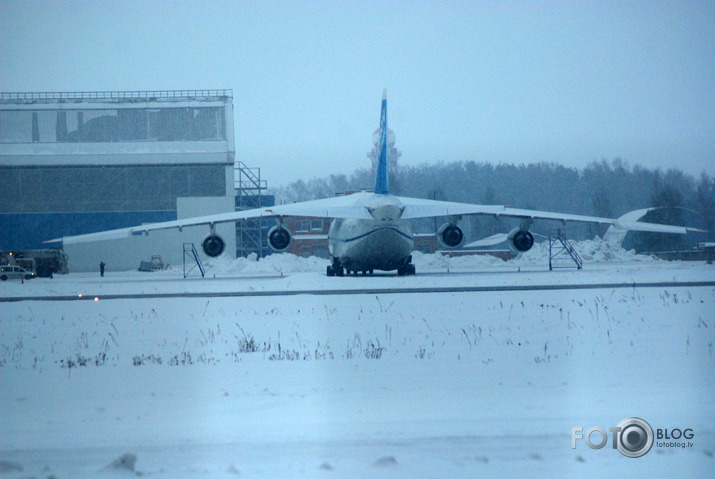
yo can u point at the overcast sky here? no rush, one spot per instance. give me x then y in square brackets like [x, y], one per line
[568, 82]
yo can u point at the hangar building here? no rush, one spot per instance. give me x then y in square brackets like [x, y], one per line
[74, 163]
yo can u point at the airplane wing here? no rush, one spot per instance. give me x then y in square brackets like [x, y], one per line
[420, 208]
[354, 206]
[338, 207]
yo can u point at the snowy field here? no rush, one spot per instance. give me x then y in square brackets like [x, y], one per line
[478, 384]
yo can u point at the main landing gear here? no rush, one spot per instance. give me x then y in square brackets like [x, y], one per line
[336, 269]
[406, 270]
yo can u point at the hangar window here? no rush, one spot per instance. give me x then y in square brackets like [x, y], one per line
[111, 125]
[302, 226]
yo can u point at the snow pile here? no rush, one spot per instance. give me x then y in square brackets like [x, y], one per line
[274, 263]
[599, 251]
[591, 251]
[438, 261]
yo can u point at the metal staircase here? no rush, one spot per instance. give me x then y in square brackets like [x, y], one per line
[250, 193]
[194, 260]
[558, 245]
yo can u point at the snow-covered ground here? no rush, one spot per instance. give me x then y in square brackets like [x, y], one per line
[480, 384]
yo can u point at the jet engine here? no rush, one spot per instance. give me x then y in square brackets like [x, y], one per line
[279, 238]
[519, 240]
[213, 245]
[450, 235]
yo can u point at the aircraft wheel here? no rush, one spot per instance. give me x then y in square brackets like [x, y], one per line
[336, 269]
[406, 270]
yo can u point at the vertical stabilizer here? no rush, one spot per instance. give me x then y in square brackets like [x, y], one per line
[382, 182]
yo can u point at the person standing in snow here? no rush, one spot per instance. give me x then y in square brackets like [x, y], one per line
[101, 268]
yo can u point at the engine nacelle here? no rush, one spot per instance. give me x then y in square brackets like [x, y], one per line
[520, 241]
[450, 235]
[279, 238]
[213, 245]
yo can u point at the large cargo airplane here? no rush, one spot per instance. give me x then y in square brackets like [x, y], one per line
[371, 231]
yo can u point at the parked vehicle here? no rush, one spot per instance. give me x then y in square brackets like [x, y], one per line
[15, 272]
[44, 262]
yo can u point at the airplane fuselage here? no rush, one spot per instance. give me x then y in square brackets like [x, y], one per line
[383, 242]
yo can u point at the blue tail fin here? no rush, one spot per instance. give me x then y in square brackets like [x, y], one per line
[382, 182]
